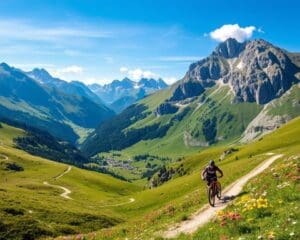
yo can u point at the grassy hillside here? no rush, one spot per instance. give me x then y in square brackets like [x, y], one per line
[288, 104]
[211, 119]
[174, 201]
[31, 209]
[230, 120]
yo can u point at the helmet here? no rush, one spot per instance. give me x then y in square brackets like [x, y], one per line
[211, 163]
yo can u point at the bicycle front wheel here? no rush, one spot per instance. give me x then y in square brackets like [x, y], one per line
[211, 196]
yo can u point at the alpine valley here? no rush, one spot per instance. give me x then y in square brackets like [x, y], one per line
[123, 160]
[237, 94]
[68, 110]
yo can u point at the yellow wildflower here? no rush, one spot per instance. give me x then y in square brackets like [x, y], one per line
[220, 213]
[271, 235]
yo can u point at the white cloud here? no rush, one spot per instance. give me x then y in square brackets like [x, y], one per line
[22, 30]
[69, 73]
[123, 69]
[170, 80]
[138, 73]
[232, 31]
[72, 69]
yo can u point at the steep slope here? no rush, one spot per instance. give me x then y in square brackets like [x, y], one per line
[274, 114]
[73, 87]
[30, 209]
[213, 104]
[41, 143]
[63, 115]
[122, 103]
[121, 94]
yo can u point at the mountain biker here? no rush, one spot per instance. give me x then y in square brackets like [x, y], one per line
[210, 172]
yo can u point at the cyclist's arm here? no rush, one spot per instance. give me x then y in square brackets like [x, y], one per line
[220, 171]
[203, 173]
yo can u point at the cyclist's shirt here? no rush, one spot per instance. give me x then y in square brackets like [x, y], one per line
[211, 172]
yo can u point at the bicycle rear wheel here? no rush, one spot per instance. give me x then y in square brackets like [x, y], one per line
[219, 190]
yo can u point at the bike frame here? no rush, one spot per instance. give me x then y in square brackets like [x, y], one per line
[214, 190]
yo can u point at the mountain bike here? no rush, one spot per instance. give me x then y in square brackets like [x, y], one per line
[213, 191]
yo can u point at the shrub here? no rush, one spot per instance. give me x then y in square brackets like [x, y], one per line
[13, 167]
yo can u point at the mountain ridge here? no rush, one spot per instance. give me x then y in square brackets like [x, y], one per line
[63, 115]
[74, 87]
[257, 75]
[215, 101]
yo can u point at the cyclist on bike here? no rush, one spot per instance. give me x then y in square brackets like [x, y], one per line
[210, 172]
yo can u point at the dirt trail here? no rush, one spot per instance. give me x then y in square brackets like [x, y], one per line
[131, 200]
[65, 172]
[3, 157]
[67, 191]
[206, 213]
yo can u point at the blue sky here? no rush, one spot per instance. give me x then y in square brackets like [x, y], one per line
[98, 41]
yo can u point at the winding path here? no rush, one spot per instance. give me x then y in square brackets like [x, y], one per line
[3, 157]
[63, 173]
[131, 200]
[67, 191]
[205, 214]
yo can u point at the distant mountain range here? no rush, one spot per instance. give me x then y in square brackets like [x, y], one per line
[66, 110]
[73, 87]
[120, 94]
[237, 93]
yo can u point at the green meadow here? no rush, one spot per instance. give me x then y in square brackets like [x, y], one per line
[111, 208]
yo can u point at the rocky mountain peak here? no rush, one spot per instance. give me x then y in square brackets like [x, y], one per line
[40, 73]
[124, 83]
[256, 71]
[4, 66]
[230, 48]
[152, 83]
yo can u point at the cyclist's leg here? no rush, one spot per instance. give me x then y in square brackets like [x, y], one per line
[209, 181]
